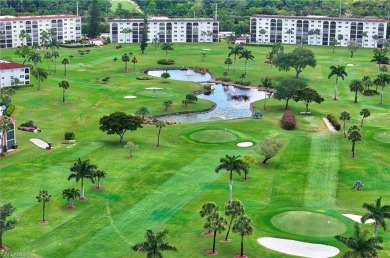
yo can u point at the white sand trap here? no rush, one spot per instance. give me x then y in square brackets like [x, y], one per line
[329, 125]
[357, 218]
[130, 97]
[153, 88]
[349, 64]
[39, 143]
[298, 248]
[244, 144]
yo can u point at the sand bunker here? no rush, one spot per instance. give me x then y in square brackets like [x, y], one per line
[244, 144]
[298, 248]
[153, 88]
[357, 218]
[329, 125]
[349, 64]
[39, 143]
[130, 97]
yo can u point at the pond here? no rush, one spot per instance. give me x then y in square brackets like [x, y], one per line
[182, 75]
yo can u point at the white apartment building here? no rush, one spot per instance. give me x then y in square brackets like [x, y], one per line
[165, 30]
[62, 27]
[10, 71]
[317, 30]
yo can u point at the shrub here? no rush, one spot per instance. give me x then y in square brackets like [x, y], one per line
[144, 78]
[369, 92]
[69, 136]
[257, 114]
[334, 122]
[10, 109]
[207, 87]
[15, 146]
[5, 148]
[288, 120]
[29, 123]
[200, 70]
[118, 47]
[76, 45]
[166, 62]
[224, 79]
[358, 185]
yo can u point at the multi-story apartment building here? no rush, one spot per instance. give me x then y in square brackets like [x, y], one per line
[27, 30]
[9, 140]
[165, 30]
[317, 30]
[13, 74]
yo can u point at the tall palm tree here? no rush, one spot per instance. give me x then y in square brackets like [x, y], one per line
[207, 209]
[64, 85]
[378, 213]
[154, 244]
[167, 104]
[236, 51]
[289, 32]
[159, 124]
[310, 33]
[243, 226]
[216, 223]
[228, 62]
[98, 175]
[126, 31]
[231, 164]
[345, 116]
[70, 194]
[367, 82]
[55, 54]
[379, 58]
[48, 57]
[383, 79]
[43, 197]
[142, 111]
[354, 136]
[317, 32]
[134, 61]
[267, 83]
[364, 35]
[53, 44]
[365, 112]
[4, 128]
[34, 57]
[82, 169]
[166, 46]
[338, 71]
[360, 246]
[356, 86]
[247, 55]
[40, 74]
[65, 62]
[126, 60]
[235, 209]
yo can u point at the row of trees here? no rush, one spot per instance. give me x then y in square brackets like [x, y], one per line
[240, 52]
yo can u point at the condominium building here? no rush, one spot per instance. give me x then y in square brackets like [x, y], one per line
[9, 140]
[164, 29]
[27, 30]
[317, 30]
[13, 74]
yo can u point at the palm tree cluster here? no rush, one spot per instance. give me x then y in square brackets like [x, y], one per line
[241, 52]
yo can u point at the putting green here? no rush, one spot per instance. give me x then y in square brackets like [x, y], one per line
[308, 224]
[213, 136]
[157, 93]
[382, 136]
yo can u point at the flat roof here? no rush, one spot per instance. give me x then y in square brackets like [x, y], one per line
[38, 17]
[163, 19]
[323, 18]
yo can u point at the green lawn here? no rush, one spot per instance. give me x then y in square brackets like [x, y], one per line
[165, 187]
[126, 5]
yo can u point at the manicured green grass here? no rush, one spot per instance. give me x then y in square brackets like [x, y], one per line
[165, 187]
[213, 136]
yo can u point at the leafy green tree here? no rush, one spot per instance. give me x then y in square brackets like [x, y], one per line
[43, 197]
[126, 60]
[167, 104]
[208, 208]
[380, 58]
[269, 148]
[231, 164]
[23, 35]
[192, 98]
[5, 95]
[118, 123]
[352, 47]
[338, 71]
[165, 75]
[308, 95]
[345, 116]
[131, 147]
[4, 127]
[247, 55]
[134, 61]
[65, 62]
[298, 59]
[244, 227]
[354, 136]
[215, 223]
[365, 112]
[142, 111]
[249, 160]
[228, 62]
[40, 74]
[234, 210]
[82, 169]
[98, 175]
[235, 51]
[94, 20]
[333, 42]
[154, 244]
[356, 86]
[64, 85]
[360, 245]
[159, 124]
[34, 57]
[378, 213]
[55, 55]
[186, 102]
[288, 88]
[70, 194]
[144, 38]
[167, 46]
[6, 224]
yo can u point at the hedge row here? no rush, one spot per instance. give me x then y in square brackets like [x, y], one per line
[77, 45]
[10, 109]
[334, 122]
[288, 120]
[166, 62]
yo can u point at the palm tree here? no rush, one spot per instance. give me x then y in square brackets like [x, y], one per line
[4, 128]
[340, 37]
[126, 31]
[235, 209]
[360, 246]
[55, 54]
[126, 60]
[228, 62]
[216, 223]
[134, 61]
[380, 58]
[383, 79]
[247, 55]
[142, 111]
[154, 244]
[310, 33]
[64, 85]
[378, 213]
[166, 46]
[98, 175]
[333, 42]
[236, 50]
[354, 136]
[267, 83]
[40, 74]
[367, 82]
[231, 164]
[43, 197]
[207, 209]
[356, 86]
[364, 35]
[70, 194]
[167, 104]
[186, 102]
[80, 170]
[159, 124]
[339, 71]
[345, 116]
[52, 44]
[365, 112]
[48, 57]
[35, 58]
[317, 32]
[262, 32]
[65, 62]
[243, 226]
